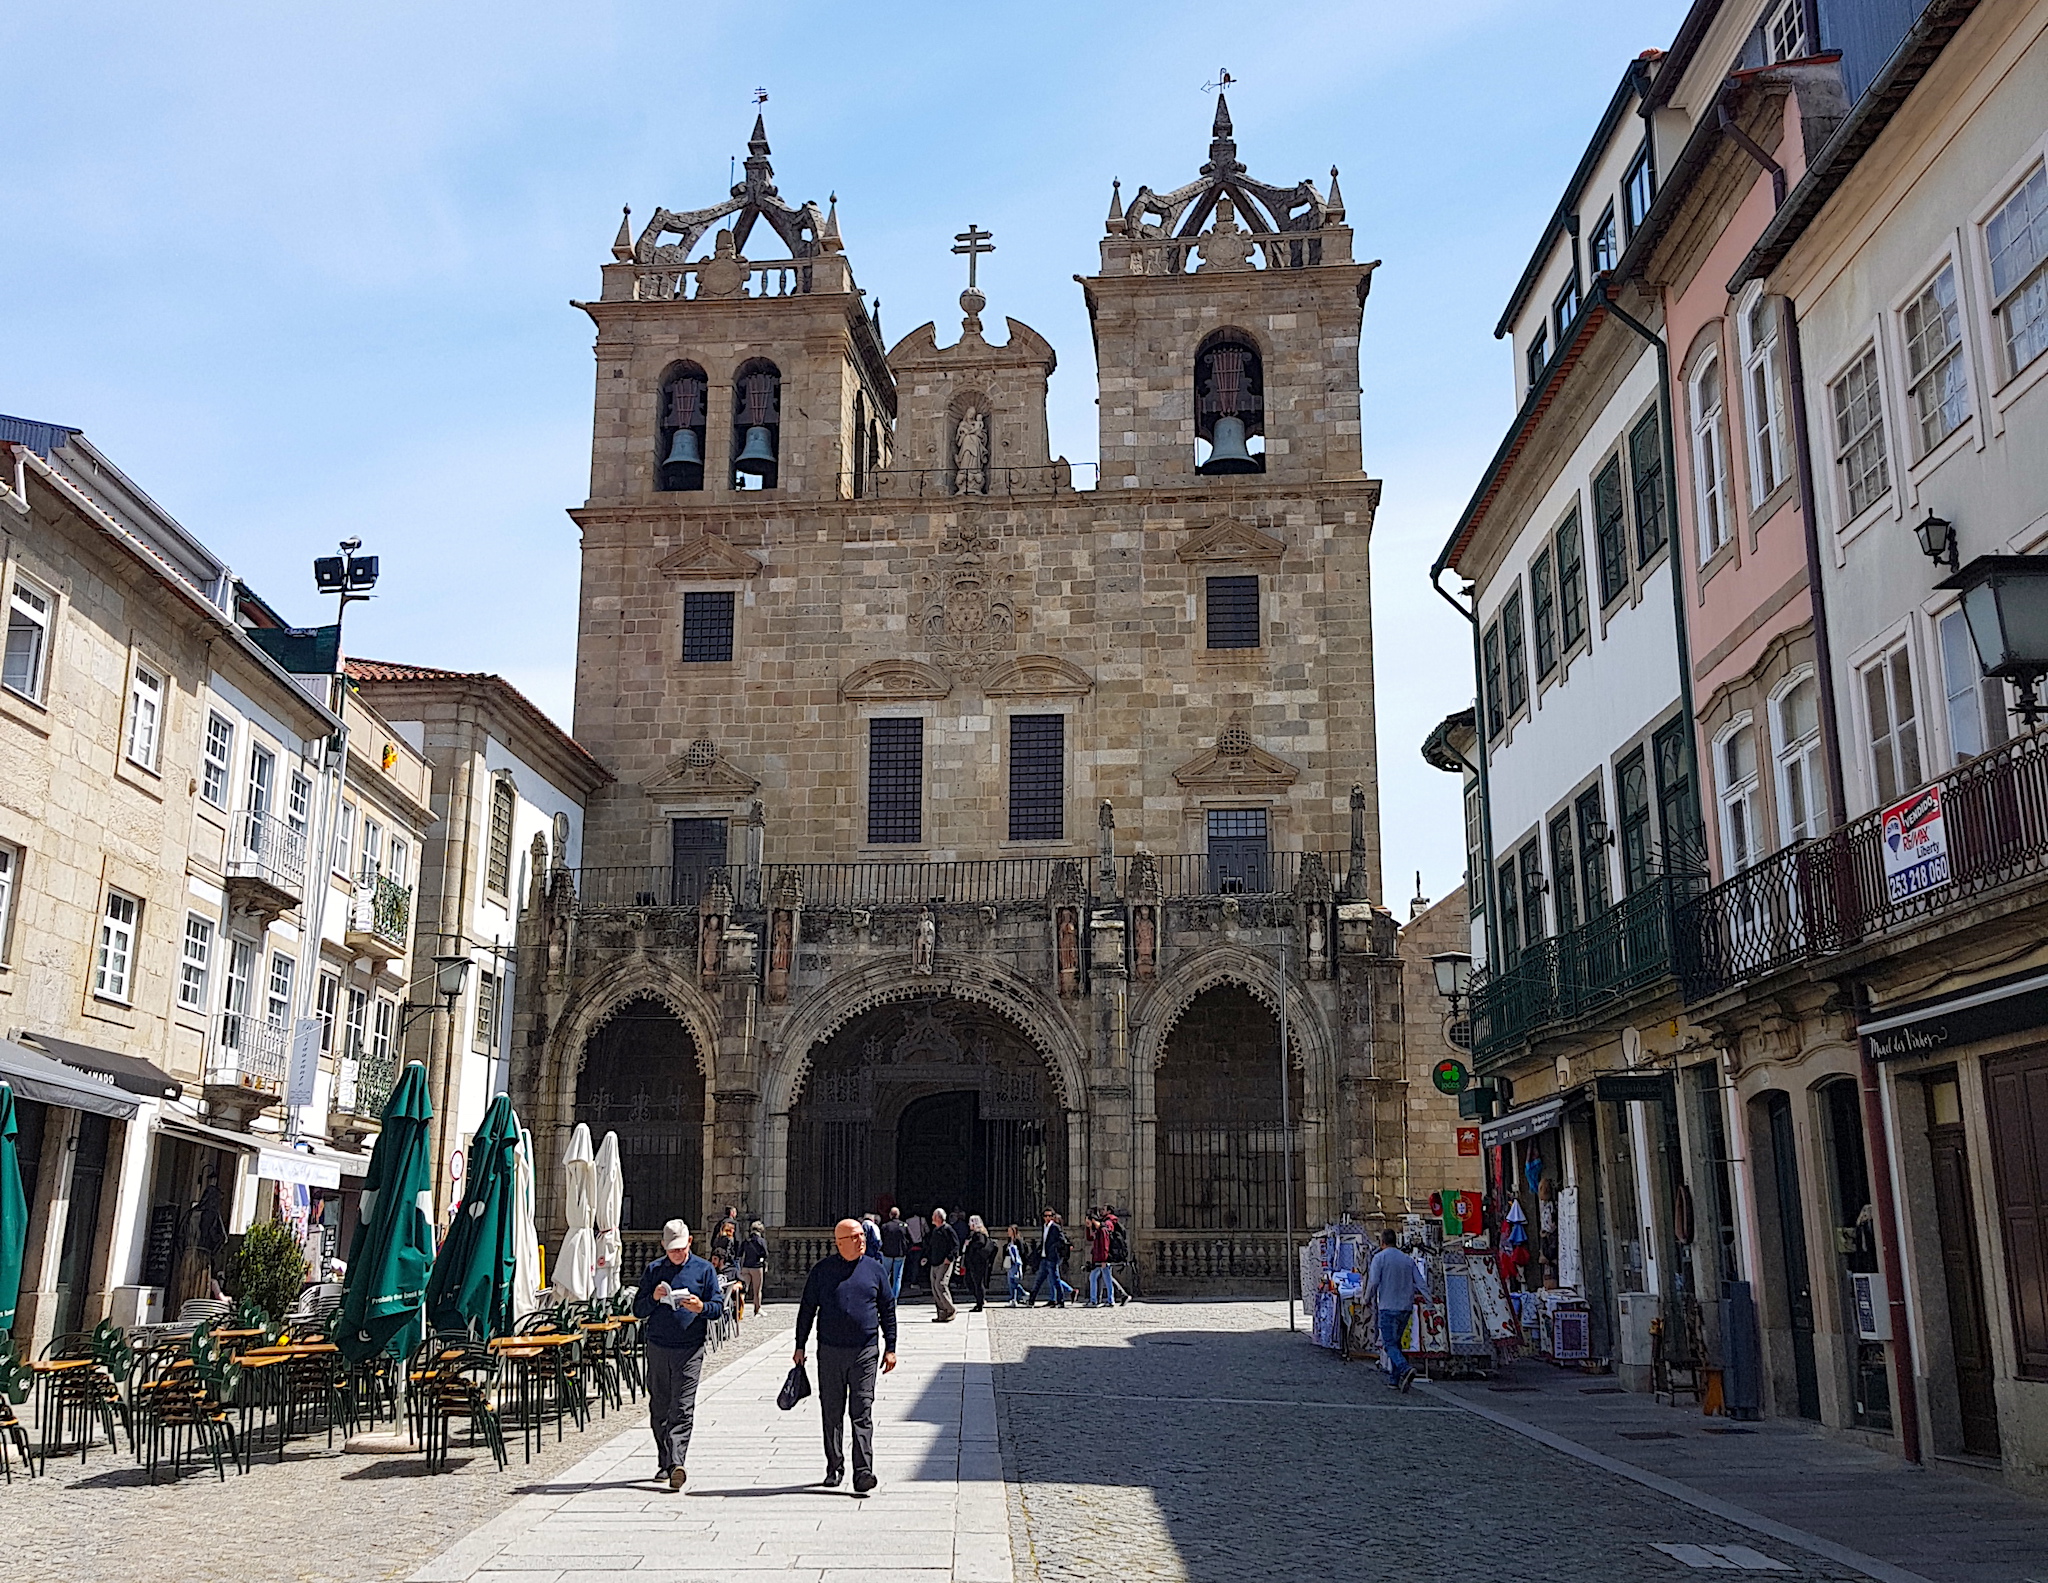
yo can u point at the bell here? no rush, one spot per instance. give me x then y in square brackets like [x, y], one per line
[758, 455]
[1226, 449]
[686, 448]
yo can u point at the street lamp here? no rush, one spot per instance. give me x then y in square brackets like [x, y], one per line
[451, 975]
[1937, 538]
[2005, 602]
[1453, 976]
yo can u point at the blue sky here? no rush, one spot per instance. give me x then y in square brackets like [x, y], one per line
[305, 272]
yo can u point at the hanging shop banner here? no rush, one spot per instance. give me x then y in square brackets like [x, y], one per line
[302, 1074]
[1915, 846]
[1468, 1140]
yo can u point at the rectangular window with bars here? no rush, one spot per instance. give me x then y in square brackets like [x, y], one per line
[498, 860]
[486, 1013]
[707, 627]
[896, 782]
[1233, 612]
[1038, 752]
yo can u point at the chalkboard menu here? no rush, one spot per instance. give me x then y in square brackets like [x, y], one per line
[161, 1252]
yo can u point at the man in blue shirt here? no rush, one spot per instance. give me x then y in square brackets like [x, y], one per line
[1390, 1288]
[679, 1296]
[849, 1297]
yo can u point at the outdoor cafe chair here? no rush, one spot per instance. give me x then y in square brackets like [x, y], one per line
[79, 1393]
[202, 1311]
[15, 1382]
[183, 1403]
[462, 1386]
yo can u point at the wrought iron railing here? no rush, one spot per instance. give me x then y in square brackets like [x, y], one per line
[363, 1080]
[1837, 892]
[263, 847]
[381, 906]
[967, 882]
[248, 1053]
[1571, 976]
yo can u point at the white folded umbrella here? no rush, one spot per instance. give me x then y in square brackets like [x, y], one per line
[611, 1198]
[576, 1263]
[526, 1289]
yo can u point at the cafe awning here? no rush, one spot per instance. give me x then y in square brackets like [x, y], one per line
[1523, 1123]
[271, 1157]
[50, 1082]
[129, 1072]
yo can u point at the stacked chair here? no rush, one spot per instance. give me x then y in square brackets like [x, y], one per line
[184, 1404]
[15, 1380]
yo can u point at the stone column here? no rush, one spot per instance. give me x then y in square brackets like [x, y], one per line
[1372, 1178]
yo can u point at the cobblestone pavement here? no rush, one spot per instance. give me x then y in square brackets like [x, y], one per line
[1203, 1441]
[319, 1517]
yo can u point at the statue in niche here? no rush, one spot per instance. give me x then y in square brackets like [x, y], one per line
[1146, 939]
[710, 939]
[970, 455]
[925, 948]
[1069, 945]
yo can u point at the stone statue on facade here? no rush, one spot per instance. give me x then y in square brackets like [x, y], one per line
[925, 947]
[970, 455]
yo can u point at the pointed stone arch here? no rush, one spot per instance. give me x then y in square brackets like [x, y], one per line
[1255, 972]
[598, 1001]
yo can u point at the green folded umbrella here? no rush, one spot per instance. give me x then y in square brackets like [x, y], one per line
[472, 1281]
[394, 1242]
[13, 1211]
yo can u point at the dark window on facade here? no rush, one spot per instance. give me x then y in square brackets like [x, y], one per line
[1038, 753]
[1563, 869]
[1517, 654]
[697, 852]
[895, 782]
[1531, 857]
[1539, 357]
[1238, 858]
[1230, 405]
[679, 437]
[1571, 579]
[1543, 613]
[1678, 804]
[707, 627]
[1592, 823]
[1606, 248]
[1646, 473]
[1610, 532]
[1564, 312]
[1507, 891]
[498, 861]
[1638, 190]
[1233, 612]
[1496, 720]
[1632, 794]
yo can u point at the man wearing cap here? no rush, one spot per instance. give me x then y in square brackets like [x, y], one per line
[849, 1297]
[679, 1296]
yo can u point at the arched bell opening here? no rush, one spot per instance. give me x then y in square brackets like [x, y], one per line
[642, 1078]
[1230, 405]
[1220, 1150]
[935, 1103]
[679, 454]
[756, 425]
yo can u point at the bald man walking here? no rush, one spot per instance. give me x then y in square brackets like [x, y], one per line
[849, 1297]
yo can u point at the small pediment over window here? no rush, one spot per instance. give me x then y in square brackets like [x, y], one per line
[1237, 542]
[1037, 676]
[892, 681]
[708, 557]
[700, 771]
[1237, 764]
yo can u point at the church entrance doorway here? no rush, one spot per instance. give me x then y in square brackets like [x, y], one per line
[640, 1079]
[937, 1103]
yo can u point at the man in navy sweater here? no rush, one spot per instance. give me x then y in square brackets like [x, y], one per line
[850, 1298]
[679, 1296]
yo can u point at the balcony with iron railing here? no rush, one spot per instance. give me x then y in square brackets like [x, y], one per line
[363, 1080]
[1864, 884]
[265, 864]
[245, 1069]
[379, 917]
[1564, 981]
[967, 882]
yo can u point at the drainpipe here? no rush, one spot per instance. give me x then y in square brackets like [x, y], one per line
[1485, 786]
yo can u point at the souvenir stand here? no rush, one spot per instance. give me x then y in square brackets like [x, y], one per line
[1333, 1286]
[1464, 1325]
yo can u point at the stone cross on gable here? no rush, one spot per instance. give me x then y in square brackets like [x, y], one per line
[974, 242]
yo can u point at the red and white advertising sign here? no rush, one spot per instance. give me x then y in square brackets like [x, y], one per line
[1914, 841]
[1468, 1140]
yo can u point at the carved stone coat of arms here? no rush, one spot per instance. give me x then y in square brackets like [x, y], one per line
[965, 610]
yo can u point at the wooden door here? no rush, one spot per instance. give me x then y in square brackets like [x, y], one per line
[1969, 1329]
[2017, 1087]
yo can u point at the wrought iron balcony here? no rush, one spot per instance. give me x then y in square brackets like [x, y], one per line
[248, 1054]
[1561, 981]
[363, 1081]
[379, 917]
[1840, 892]
[265, 863]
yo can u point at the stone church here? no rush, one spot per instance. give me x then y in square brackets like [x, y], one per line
[972, 829]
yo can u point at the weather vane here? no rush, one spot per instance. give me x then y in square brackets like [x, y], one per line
[1223, 80]
[760, 96]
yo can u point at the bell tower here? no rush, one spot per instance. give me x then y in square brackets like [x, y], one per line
[1226, 318]
[738, 358]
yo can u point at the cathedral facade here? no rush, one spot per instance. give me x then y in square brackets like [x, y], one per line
[979, 840]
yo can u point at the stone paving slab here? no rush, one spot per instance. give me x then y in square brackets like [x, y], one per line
[754, 1507]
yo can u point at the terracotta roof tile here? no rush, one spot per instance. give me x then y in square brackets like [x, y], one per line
[363, 670]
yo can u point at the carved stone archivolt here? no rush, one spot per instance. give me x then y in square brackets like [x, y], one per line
[700, 770]
[965, 610]
[1037, 676]
[889, 681]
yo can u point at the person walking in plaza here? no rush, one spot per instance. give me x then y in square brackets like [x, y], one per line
[917, 1228]
[1013, 1267]
[1101, 1291]
[1390, 1290]
[678, 1298]
[871, 1229]
[848, 1297]
[895, 1249]
[1052, 1253]
[725, 1245]
[976, 1257]
[754, 1264]
[942, 1252]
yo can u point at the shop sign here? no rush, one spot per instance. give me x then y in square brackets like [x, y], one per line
[1468, 1140]
[1450, 1076]
[1961, 1020]
[1915, 846]
[1647, 1086]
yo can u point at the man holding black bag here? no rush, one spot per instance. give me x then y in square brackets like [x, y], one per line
[678, 1297]
[848, 1296]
